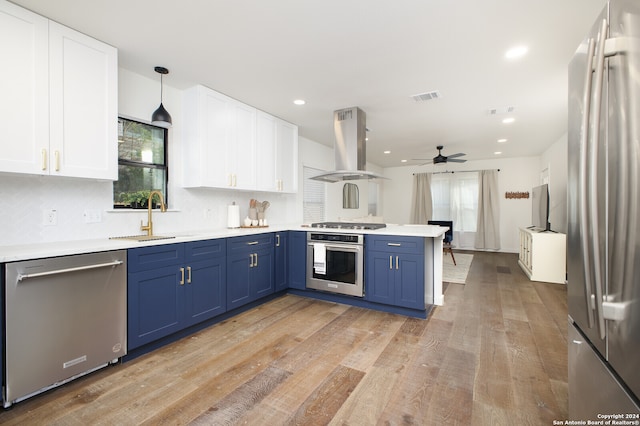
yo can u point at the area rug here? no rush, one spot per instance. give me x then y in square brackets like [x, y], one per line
[456, 273]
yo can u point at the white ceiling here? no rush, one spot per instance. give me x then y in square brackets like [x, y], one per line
[368, 53]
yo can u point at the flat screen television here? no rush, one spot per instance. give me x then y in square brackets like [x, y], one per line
[540, 208]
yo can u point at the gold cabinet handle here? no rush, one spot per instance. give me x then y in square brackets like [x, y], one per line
[57, 156]
[188, 274]
[43, 155]
[181, 276]
[390, 262]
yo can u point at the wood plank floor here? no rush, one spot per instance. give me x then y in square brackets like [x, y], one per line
[495, 354]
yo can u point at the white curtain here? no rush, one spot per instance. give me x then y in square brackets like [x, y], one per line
[421, 202]
[455, 198]
[488, 234]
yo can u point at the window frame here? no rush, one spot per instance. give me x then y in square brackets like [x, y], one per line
[143, 164]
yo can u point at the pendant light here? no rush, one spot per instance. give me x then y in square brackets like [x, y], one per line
[161, 116]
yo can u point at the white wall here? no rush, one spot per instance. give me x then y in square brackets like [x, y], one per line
[23, 198]
[516, 174]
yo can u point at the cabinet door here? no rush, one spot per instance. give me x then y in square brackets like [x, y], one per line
[379, 278]
[155, 305]
[297, 267]
[241, 152]
[281, 261]
[206, 290]
[207, 134]
[24, 103]
[83, 96]
[238, 280]
[262, 274]
[266, 152]
[286, 156]
[409, 281]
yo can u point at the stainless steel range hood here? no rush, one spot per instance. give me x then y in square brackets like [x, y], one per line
[350, 126]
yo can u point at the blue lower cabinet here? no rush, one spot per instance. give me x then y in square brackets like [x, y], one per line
[394, 275]
[172, 287]
[281, 261]
[297, 257]
[250, 269]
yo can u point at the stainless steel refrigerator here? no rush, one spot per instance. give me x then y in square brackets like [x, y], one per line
[604, 217]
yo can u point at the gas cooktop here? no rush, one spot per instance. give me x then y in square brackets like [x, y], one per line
[348, 225]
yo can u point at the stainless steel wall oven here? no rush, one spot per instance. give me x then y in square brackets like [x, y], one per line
[335, 263]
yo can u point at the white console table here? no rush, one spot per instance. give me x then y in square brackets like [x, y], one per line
[543, 255]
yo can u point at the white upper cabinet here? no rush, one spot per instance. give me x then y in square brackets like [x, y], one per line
[286, 156]
[266, 152]
[228, 144]
[219, 141]
[24, 84]
[61, 105]
[83, 105]
[277, 154]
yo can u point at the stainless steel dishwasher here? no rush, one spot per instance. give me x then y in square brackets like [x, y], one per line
[65, 317]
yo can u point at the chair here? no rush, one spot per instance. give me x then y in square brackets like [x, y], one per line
[448, 236]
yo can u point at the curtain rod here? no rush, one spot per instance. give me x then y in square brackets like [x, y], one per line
[459, 171]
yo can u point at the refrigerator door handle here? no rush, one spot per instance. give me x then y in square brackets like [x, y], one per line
[584, 142]
[593, 178]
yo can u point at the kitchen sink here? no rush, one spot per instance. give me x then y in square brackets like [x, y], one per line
[143, 237]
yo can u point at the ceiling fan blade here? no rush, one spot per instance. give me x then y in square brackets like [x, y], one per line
[455, 160]
[460, 154]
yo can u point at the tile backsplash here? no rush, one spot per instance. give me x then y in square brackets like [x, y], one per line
[25, 199]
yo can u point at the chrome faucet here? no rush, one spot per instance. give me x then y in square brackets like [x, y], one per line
[149, 226]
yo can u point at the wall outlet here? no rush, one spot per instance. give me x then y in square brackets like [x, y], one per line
[50, 217]
[92, 216]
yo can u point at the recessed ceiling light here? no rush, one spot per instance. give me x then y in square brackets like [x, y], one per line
[502, 140]
[498, 152]
[403, 161]
[387, 152]
[299, 102]
[508, 120]
[516, 52]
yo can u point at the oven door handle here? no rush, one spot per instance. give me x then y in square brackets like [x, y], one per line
[339, 247]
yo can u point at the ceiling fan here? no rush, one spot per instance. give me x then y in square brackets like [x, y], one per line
[439, 159]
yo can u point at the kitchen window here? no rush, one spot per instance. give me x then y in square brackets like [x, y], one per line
[455, 197]
[142, 163]
[312, 196]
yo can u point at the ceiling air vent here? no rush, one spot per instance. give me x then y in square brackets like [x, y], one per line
[427, 96]
[501, 110]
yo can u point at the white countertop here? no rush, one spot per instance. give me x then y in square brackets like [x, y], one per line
[64, 248]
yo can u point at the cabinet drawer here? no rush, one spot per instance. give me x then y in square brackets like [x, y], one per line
[394, 244]
[249, 242]
[207, 249]
[146, 258]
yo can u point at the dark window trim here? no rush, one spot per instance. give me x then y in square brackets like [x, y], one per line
[164, 166]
